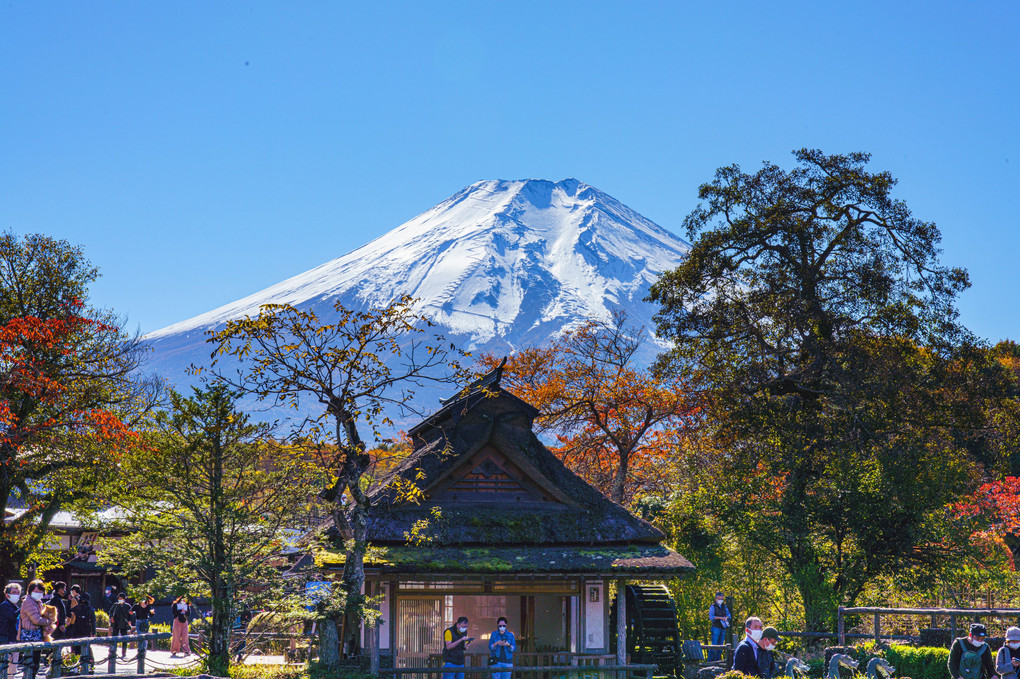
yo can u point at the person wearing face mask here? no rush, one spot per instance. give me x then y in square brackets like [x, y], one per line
[1007, 660]
[970, 657]
[33, 623]
[502, 646]
[120, 620]
[720, 616]
[754, 654]
[181, 610]
[9, 612]
[455, 640]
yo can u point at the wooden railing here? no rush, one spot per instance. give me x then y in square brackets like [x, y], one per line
[548, 671]
[56, 665]
[878, 612]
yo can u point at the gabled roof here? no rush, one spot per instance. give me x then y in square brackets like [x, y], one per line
[485, 429]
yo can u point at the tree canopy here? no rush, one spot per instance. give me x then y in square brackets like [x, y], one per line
[844, 393]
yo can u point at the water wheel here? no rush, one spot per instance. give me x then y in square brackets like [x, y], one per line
[653, 634]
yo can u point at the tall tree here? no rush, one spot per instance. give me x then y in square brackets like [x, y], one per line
[616, 423]
[814, 307]
[354, 368]
[226, 496]
[68, 389]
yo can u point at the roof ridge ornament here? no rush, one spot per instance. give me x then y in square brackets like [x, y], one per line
[489, 380]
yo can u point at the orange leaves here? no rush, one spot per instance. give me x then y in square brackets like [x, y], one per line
[37, 359]
[616, 424]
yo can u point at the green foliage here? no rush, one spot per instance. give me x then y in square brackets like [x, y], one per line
[103, 619]
[227, 496]
[68, 389]
[919, 663]
[846, 402]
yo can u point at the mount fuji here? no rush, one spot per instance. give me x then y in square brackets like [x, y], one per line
[497, 266]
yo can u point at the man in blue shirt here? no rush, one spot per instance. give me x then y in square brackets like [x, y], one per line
[501, 648]
[720, 616]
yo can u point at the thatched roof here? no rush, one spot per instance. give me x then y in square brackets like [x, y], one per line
[486, 430]
[645, 560]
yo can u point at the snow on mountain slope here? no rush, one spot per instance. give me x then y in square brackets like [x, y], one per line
[499, 265]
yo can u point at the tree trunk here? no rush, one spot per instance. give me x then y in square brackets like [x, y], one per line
[219, 633]
[329, 644]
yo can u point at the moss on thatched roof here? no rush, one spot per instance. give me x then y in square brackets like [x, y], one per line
[628, 559]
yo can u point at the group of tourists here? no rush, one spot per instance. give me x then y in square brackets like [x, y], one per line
[64, 614]
[970, 657]
[502, 646]
[68, 613]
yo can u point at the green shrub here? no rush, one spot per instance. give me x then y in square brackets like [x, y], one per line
[102, 619]
[160, 644]
[920, 663]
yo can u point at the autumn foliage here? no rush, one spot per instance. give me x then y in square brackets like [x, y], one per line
[615, 424]
[31, 349]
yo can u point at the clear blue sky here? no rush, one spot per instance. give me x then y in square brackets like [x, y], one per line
[202, 151]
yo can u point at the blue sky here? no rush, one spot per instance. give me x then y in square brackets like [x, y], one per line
[202, 151]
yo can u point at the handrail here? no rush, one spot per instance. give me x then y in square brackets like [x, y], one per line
[56, 666]
[551, 669]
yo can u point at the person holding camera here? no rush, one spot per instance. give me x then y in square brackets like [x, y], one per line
[455, 640]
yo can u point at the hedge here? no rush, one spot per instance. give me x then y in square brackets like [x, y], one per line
[923, 662]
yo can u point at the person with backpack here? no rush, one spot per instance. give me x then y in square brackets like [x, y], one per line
[1007, 660]
[971, 656]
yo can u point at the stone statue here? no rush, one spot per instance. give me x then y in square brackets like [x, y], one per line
[837, 661]
[795, 667]
[879, 668]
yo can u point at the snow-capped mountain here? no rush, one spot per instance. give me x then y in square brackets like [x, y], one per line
[499, 265]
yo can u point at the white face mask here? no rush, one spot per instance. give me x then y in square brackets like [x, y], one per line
[462, 629]
[755, 634]
[769, 647]
[37, 596]
[1013, 644]
[15, 598]
[182, 606]
[719, 601]
[502, 628]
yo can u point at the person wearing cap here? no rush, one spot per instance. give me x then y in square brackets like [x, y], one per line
[720, 616]
[970, 657]
[1007, 660]
[754, 655]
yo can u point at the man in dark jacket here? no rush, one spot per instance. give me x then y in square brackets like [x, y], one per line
[84, 625]
[120, 620]
[754, 657]
[9, 614]
[971, 657]
[61, 604]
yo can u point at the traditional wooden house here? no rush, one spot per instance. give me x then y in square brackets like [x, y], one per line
[505, 529]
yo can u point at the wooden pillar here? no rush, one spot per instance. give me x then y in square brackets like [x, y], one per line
[393, 621]
[878, 628]
[840, 627]
[372, 635]
[952, 627]
[56, 663]
[111, 662]
[621, 622]
[141, 657]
